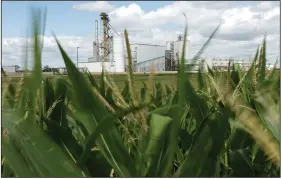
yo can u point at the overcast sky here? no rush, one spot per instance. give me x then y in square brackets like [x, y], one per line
[242, 30]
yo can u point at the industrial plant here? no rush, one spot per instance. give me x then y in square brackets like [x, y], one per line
[109, 52]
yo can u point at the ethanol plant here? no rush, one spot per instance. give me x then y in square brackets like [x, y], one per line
[109, 52]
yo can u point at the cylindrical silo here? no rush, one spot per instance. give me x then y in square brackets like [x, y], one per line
[118, 53]
[95, 57]
[111, 54]
[180, 48]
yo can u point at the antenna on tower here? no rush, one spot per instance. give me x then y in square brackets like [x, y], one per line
[96, 41]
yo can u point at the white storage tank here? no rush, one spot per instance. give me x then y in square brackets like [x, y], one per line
[118, 53]
[10, 69]
[95, 66]
[180, 48]
[95, 57]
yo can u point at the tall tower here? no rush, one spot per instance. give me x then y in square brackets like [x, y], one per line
[105, 37]
[96, 55]
[96, 41]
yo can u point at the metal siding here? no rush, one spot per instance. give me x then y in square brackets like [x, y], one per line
[148, 52]
[159, 65]
[111, 50]
[180, 48]
[118, 53]
[95, 57]
[95, 66]
[9, 68]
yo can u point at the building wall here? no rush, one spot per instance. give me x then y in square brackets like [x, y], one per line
[95, 57]
[159, 64]
[179, 48]
[95, 66]
[194, 66]
[223, 64]
[9, 68]
[144, 52]
[118, 53]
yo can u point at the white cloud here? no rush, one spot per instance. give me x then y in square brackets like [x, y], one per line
[266, 5]
[243, 26]
[14, 50]
[272, 13]
[202, 17]
[98, 6]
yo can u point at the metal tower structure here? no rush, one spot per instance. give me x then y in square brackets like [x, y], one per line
[96, 35]
[170, 61]
[105, 37]
[168, 57]
[172, 56]
[96, 41]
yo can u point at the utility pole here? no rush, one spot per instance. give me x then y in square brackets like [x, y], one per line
[77, 56]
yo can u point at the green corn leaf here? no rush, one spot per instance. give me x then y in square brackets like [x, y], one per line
[10, 95]
[110, 142]
[269, 115]
[240, 139]
[59, 112]
[158, 126]
[38, 154]
[211, 72]
[240, 163]
[6, 170]
[105, 123]
[37, 72]
[200, 80]
[251, 74]
[202, 156]
[176, 114]
[273, 72]
[91, 79]
[49, 94]
[198, 106]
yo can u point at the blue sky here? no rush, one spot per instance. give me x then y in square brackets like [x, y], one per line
[79, 23]
[244, 25]
[16, 16]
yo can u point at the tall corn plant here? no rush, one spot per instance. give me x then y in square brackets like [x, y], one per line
[28, 150]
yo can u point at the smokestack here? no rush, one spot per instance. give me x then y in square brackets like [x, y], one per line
[96, 42]
[96, 31]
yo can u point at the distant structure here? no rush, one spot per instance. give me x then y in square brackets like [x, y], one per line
[218, 64]
[109, 53]
[144, 55]
[158, 63]
[108, 49]
[222, 64]
[174, 52]
[11, 68]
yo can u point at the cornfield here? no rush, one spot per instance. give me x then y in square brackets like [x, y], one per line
[229, 126]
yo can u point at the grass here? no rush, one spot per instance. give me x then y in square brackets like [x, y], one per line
[227, 126]
[119, 79]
